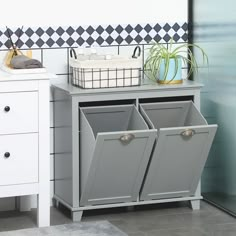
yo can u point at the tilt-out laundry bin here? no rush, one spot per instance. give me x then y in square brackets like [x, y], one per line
[183, 142]
[116, 145]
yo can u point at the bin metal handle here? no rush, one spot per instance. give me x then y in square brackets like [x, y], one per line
[126, 138]
[188, 133]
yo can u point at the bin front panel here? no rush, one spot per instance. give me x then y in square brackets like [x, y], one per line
[117, 169]
[166, 114]
[177, 162]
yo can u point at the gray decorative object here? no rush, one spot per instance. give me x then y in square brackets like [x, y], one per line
[99, 228]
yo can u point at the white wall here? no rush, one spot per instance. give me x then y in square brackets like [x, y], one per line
[80, 12]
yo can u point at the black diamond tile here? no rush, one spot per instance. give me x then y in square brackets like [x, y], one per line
[109, 29]
[8, 44]
[176, 37]
[29, 32]
[167, 37]
[29, 43]
[60, 31]
[185, 27]
[148, 38]
[90, 30]
[185, 37]
[157, 28]
[99, 40]
[128, 39]
[148, 28]
[1, 44]
[39, 31]
[19, 43]
[138, 28]
[166, 27]
[100, 29]
[1, 33]
[119, 39]
[60, 42]
[40, 43]
[128, 28]
[109, 40]
[50, 42]
[80, 30]
[119, 29]
[19, 32]
[80, 41]
[10, 32]
[70, 31]
[157, 38]
[176, 27]
[70, 41]
[138, 39]
[50, 31]
[90, 41]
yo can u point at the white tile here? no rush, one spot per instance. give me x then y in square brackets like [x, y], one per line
[2, 56]
[51, 190]
[60, 79]
[51, 140]
[51, 115]
[127, 51]
[36, 54]
[184, 73]
[55, 60]
[107, 50]
[51, 167]
[51, 95]
[147, 48]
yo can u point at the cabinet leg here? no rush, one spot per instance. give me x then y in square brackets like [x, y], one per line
[195, 204]
[55, 203]
[43, 210]
[25, 203]
[76, 215]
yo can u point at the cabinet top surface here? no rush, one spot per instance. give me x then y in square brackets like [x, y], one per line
[5, 76]
[147, 85]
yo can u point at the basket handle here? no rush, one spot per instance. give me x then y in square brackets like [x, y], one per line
[136, 50]
[73, 53]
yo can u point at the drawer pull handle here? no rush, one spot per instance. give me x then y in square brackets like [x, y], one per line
[127, 138]
[188, 133]
[7, 108]
[7, 154]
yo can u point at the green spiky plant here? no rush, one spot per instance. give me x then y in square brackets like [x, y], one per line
[159, 52]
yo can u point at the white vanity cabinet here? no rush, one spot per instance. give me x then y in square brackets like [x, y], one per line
[24, 139]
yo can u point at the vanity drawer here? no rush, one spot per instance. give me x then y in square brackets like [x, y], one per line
[18, 112]
[18, 159]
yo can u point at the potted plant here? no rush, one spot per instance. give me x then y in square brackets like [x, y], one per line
[164, 64]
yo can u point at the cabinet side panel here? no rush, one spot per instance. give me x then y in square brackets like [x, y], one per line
[63, 146]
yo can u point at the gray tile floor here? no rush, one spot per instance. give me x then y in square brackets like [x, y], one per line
[172, 219]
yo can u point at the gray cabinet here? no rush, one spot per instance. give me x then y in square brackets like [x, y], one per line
[110, 154]
[183, 143]
[116, 145]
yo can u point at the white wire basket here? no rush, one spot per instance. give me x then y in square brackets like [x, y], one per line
[116, 71]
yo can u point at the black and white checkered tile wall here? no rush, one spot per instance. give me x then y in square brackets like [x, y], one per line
[100, 35]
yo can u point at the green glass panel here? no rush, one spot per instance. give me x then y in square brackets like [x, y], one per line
[214, 29]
